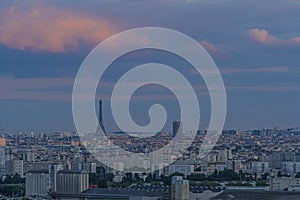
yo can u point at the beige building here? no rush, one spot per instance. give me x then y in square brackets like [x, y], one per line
[180, 189]
[2, 142]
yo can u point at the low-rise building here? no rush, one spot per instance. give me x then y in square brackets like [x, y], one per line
[285, 184]
[179, 188]
[71, 182]
[290, 167]
[2, 162]
[259, 167]
[14, 167]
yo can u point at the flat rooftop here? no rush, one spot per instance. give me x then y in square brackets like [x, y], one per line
[256, 194]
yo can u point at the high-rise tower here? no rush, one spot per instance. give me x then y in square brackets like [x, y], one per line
[177, 127]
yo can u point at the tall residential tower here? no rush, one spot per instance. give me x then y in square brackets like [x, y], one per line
[177, 127]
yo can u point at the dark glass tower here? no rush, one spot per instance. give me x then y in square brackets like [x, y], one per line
[177, 127]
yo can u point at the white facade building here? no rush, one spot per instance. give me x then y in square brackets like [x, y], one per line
[53, 169]
[37, 183]
[259, 167]
[2, 162]
[290, 167]
[285, 184]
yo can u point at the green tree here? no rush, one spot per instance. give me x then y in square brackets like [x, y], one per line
[93, 179]
[226, 175]
[197, 177]
[149, 178]
[100, 178]
[265, 176]
[137, 177]
[261, 183]
[14, 179]
[127, 178]
[109, 177]
[255, 175]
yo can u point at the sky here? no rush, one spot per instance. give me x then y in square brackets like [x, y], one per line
[255, 44]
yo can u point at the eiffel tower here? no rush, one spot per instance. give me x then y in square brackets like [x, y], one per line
[100, 128]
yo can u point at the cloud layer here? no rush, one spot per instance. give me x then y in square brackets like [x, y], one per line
[51, 29]
[50, 89]
[263, 37]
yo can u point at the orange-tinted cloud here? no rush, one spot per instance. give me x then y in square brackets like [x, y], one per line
[262, 36]
[51, 29]
[208, 46]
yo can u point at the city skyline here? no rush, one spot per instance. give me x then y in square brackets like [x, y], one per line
[160, 99]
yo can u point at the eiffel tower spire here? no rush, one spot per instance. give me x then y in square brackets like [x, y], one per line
[100, 119]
